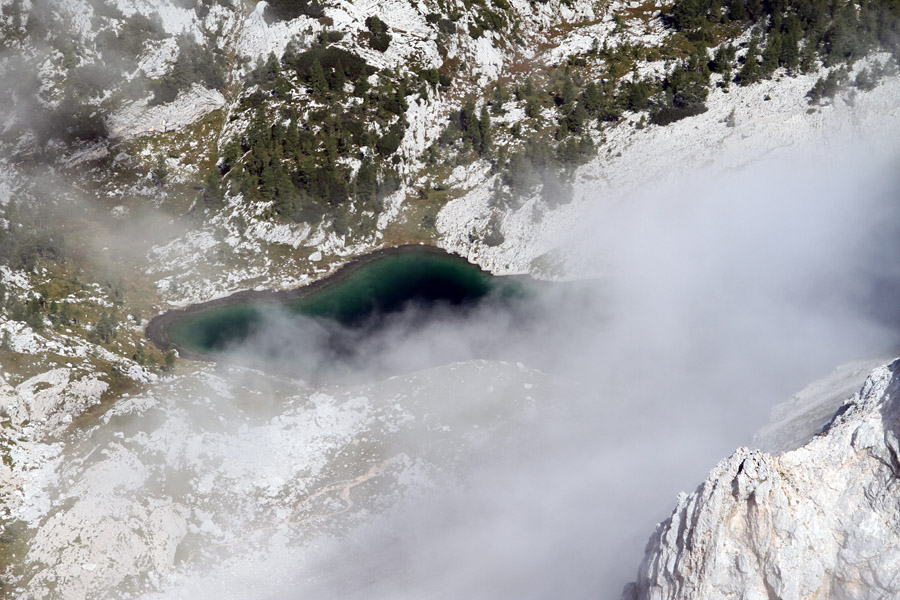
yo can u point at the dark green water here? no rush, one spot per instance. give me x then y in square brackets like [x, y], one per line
[355, 299]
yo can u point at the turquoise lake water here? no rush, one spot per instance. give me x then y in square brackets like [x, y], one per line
[353, 299]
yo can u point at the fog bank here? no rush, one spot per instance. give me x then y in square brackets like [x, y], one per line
[717, 296]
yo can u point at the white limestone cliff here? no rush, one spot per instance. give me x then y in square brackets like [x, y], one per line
[821, 521]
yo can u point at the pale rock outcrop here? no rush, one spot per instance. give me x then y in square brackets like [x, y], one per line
[821, 521]
[48, 400]
[141, 118]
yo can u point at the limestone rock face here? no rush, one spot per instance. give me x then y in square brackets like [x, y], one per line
[821, 521]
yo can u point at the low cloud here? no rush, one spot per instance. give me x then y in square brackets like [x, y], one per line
[718, 296]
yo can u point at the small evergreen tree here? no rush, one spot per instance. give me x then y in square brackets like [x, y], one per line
[212, 196]
[790, 52]
[484, 126]
[366, 182]
[316, 79]
[106, 328]
[160, 172]
[340, 78]
[497, 99]
[567, 95]
[380, 38]
[751, 72]
[772, 54]
[169, 361]
[591, 99]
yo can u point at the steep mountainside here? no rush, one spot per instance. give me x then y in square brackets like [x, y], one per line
[820, 521]
[159, 153]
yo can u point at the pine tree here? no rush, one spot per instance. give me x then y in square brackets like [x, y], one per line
[212, 195]
[484, 125]
[576, 118]
[361, 87]
[267, 182]
[284, 191]
[330, 154]
[750, 72]
[591, 99]
[771, 54]
[140, 355]
[160, 172]
[808, 59]
[316, 79]
[754, 9]
[340, 78]
[532, 107]
[568, 91]
[498, 99]
[366, 181]
[467, 115]
[169, 360]
[790, 52]
[737, 10]
[106, 327]
[271, 68]
[291, 137]
[34, 317]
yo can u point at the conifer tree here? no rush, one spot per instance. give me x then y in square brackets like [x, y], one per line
[771, 54]
[169, 363]
[292, 137]
[750, 72]
[272, 68]
[212, 195]
[790, 51]
[340, 78]
[591, 99]
[316, 80]
[484, 126]
[568, 90]
[366, 181]
[498, 99]
[737, 10]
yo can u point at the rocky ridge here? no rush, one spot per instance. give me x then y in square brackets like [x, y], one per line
[821, 521]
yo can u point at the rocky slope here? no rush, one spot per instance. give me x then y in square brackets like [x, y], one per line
[820, 521]
[133, 131]
[227, 463]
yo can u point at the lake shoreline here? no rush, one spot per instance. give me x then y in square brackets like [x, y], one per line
[157, 330]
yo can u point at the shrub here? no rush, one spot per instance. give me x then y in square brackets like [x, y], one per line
[865, 80]
[285, 10]
[489, 20]
[390, 141]
[106, 328]
[669, 114]
[827, 87]
[447, 26]
[380, 38]
[430, 76]
[329, 59]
